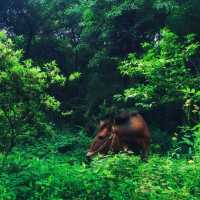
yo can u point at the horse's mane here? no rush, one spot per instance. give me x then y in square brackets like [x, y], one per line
[119, 119]
[124, 117]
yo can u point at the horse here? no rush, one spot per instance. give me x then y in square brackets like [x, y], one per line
[127, 132]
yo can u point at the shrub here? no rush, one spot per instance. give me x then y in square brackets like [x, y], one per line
[161, 74]
[114, 177]
[24, 96]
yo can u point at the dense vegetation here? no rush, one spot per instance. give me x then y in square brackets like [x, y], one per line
[64, 65]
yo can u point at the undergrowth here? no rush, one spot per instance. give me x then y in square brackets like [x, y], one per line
[41, 172]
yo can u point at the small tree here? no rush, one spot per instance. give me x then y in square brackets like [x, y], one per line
[24, 97]
[162, 74]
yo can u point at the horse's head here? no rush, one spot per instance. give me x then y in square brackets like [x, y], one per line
[102, 141]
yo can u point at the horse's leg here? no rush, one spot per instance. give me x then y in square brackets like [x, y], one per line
[145, 149]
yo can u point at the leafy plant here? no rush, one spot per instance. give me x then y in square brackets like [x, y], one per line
[24, 96]
[161, 74]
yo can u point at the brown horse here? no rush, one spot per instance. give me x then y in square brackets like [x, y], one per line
[126, 132]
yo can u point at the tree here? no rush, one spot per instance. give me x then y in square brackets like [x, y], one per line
[163, 72]
[24, 97]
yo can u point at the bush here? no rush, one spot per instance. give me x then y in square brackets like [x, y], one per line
[40, 171]
[162, 74]
[24, 96]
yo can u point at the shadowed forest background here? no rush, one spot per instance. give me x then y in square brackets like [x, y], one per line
[67, 64]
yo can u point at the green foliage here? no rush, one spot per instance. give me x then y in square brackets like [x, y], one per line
[192, 104]
[161, 74]
[116, 177]
[92, 37]
[184, 16]
[74, 76]
[196, 130]
[24, 96]
[88, 39]
[39, 171]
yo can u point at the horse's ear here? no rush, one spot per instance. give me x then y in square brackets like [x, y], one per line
[101, 123]
[114, 128]
[106, 123]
